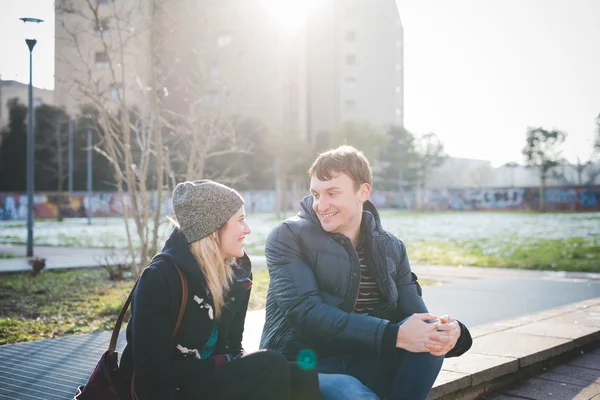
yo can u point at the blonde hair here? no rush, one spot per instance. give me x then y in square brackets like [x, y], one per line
[216, 270]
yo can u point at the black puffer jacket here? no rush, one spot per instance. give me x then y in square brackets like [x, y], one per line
[315, 277]
[160, 369]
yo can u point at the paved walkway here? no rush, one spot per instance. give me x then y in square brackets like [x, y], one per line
[503, 351]
[518, 318]
[578, 378]
[51, 369]
[72, 257]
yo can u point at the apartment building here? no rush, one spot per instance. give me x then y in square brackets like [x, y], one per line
[100, 47]
[10, 90]
[297, 66]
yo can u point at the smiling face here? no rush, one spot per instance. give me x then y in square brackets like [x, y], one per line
[232, 235]
[338, 203]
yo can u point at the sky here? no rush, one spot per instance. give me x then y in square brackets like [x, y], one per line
[477, 72]
[14, 54]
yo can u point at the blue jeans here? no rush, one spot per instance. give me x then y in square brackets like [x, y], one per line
[397, 375]
[340, 386]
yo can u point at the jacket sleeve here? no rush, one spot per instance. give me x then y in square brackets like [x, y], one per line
[155, 361]
[463, 344]
[410, 302]
[296, 292]
[409, 290]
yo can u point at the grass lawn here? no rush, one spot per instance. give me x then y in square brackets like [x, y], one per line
[569, 254]
[554, 241]
[60, 303]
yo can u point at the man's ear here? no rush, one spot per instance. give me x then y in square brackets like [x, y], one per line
[365, 192]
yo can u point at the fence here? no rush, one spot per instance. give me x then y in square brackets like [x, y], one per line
[13, 206]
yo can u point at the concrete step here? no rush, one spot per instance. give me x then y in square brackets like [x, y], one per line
[506, 348]
[53, 368]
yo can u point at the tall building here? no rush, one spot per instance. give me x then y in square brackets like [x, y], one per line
[356, 64]
[100, 47]
[253, 58]
[10, 90]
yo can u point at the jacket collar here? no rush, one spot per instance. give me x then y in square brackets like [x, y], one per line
[177, 251]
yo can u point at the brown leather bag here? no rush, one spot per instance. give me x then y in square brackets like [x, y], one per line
[103, 383]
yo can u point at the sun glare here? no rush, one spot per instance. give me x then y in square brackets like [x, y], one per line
[291, 14]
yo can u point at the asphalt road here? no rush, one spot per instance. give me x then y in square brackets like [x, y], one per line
[483, 301]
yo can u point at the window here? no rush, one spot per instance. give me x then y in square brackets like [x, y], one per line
[115, 92]
[214, 71]
[223, 40]
[37, 102]
[101, 26]
[98, 2]
[350, 82]
[350, 105]
[350, 36]
[212, 99]
[101, 59]
[64, 7]
[350, 59]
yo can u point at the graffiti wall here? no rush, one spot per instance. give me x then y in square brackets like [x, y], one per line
[555, 198]
[13, 206]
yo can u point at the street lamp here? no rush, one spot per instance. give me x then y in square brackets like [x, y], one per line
[512, 166]
[30, 141]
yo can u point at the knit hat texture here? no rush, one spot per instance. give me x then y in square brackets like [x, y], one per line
[201, 207]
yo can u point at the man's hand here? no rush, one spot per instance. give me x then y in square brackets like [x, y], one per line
[414, 333]
[444, 340]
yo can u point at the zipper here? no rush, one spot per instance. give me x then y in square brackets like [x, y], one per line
[359, 278]
[383, 272]
[343, 241]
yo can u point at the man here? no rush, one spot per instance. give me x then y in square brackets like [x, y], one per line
[342, 292]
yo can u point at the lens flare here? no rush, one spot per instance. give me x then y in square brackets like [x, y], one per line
[307, 359]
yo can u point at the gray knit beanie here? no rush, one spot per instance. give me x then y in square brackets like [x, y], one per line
[201, 207]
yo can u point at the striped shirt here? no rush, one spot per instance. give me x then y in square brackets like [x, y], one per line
[369, 297]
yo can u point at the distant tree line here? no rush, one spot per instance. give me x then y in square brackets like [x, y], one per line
[245, 159]
[543, 149]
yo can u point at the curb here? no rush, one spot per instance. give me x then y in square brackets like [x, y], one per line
[507, 348]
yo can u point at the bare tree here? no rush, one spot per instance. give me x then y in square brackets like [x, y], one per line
[542, 150]
[151, 101]
[430, 155]
[586, 172]
[50, 147]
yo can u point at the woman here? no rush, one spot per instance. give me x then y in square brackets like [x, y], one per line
[205, 358]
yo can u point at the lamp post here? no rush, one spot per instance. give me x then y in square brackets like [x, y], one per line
[512, 166]
[89, 173]
[30, 142]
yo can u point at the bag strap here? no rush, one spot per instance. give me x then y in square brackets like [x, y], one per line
[184, 298]
[112, 346]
